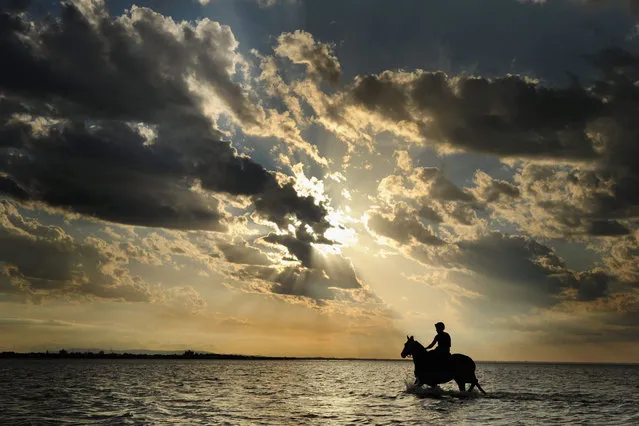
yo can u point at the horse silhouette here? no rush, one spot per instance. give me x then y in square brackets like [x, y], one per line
[431, 371]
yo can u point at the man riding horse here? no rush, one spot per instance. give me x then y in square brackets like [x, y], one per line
[442, 351]
[439, 366]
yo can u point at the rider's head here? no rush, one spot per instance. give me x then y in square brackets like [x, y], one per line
[440, 326]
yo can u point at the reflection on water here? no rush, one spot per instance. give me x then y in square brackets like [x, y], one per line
[306, 392]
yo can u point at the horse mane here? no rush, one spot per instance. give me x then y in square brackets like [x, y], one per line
[419, 346]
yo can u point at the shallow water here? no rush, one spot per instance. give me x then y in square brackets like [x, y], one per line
[306, 392]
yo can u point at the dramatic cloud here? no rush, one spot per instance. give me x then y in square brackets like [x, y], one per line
[507, 116]
[587, 191]
[301, 48]
[307, 270]
[622, 258]
[607, 320]
[581, 206]
[244, 254]
[579, 173]
[402, 226]
[491, 190]
[43, 261]
[575, 168]
[329, 278]
[421, 205]
[114, 127]
[130, 68]
[516, 270]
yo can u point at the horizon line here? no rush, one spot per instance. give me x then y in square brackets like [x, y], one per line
[150, 353]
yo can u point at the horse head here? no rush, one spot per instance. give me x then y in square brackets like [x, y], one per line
[411, 347]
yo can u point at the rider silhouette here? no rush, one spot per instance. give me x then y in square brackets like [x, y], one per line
[442, 339]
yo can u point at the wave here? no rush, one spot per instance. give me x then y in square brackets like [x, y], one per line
[572, 397]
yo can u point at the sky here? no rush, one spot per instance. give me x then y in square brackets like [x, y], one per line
[321, 178]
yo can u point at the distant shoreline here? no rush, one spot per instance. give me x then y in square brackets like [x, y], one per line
[189, 355]
[186, 355]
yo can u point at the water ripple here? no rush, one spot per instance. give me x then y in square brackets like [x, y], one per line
[87, 392]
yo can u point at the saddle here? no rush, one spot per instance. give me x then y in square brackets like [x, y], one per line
[440, 361]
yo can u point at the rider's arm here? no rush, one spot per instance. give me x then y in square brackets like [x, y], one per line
[432, 344]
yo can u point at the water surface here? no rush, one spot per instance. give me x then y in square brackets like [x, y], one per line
[306, 392]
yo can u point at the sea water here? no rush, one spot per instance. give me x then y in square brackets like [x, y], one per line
[86, 392]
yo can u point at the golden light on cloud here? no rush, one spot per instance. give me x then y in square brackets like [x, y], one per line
[340, 232]
[342, 235]
[306, 187]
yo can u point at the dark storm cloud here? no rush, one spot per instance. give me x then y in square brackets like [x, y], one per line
[328, 277]
[511, 258]
[611, 318]
[490, 190]
[402, 226]
[319, 275]
[109, 173]
[277, 202]
[426, 212]
[506, 116]
[590, 130]
[441, 188]
[300, 248]
[299, 244]
[592, 285]
[622, 259]
[131, 68]
[243, 254]
[382, 95]
[424, 193]
[606, 228]
[97, 117]
[514, 268]
[301, 48]
[40, 261]
[618, 130]
[588, 189]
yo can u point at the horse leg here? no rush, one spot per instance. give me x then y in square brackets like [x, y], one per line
[479, 387]
[461, 384]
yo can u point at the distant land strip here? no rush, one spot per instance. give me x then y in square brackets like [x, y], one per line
[64, 354]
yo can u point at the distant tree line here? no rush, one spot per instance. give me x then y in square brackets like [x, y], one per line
[187, 354]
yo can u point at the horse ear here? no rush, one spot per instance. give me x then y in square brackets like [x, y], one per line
[410, 338]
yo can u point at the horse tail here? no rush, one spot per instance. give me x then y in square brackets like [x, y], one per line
[472, 367]
[474, 383]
